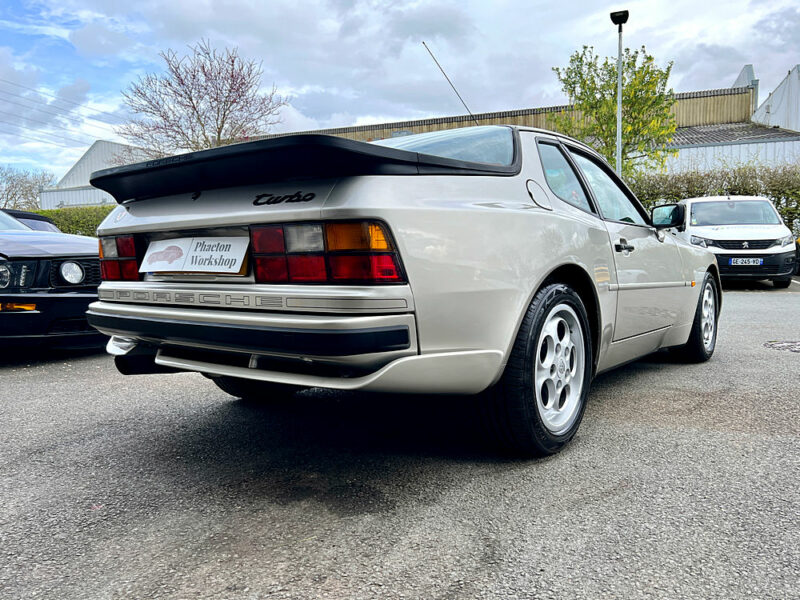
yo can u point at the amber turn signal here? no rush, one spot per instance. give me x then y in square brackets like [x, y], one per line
[16, 307]
[356, 236]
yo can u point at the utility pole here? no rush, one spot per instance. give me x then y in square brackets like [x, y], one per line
[619, 18]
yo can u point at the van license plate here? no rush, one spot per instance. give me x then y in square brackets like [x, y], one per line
[746, 261]
[196, 255]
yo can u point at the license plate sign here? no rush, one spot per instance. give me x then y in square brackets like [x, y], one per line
[746, 261]
[196, 255]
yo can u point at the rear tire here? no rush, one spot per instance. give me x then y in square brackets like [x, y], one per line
[538, 404]
[782, 284]
[248, 389]
[703, 338]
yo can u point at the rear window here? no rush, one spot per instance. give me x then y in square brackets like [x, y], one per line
[491, 145]
[10, 223]
[739, 212]
[39, 225]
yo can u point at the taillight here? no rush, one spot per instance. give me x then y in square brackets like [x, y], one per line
[118, 259]
[341, 252]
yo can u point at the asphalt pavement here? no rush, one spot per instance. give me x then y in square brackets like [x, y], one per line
[681, 483]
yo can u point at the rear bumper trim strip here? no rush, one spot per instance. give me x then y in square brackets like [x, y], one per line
[312, 342]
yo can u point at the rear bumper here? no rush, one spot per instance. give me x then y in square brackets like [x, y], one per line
[58, 320]
[355, 343]
[374, 353]
[774, 265]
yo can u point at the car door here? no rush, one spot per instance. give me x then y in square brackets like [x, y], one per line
[648, 263]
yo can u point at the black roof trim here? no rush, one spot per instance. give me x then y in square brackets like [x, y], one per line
[278, 159]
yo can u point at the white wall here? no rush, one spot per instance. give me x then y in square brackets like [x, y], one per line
[80, 196]
[704, 158]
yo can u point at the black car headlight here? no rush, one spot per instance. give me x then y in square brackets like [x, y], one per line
[17, 274]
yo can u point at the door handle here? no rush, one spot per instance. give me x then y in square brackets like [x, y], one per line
[623, 246]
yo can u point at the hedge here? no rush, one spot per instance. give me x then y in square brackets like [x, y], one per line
[779, 184]
[80, 220]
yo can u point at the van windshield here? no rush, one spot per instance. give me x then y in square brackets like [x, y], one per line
[491, 144]
[739, 212]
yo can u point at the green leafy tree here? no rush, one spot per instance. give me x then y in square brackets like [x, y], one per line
[648, 122]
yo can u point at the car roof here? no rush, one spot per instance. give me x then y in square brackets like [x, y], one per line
[24, 214]
[558, 135]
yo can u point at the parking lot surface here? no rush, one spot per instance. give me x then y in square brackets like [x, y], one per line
[682, 482]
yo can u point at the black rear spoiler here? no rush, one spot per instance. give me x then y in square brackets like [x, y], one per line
[277, 159]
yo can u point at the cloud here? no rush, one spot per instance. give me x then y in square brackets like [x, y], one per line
[96, 39]
[343, 62]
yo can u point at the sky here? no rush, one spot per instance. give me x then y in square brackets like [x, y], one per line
[64, 63]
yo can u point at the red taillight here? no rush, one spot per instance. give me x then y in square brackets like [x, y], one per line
[270, 269]
[307, 269]
[118, 259]
[109, 270]
[126, 248]
[358, 252]
[360, 267]
[268, 240]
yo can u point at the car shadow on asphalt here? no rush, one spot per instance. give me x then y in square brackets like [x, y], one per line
[355, 453]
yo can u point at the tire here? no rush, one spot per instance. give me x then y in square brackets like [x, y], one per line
[703, 338]
[248, 389]
[538, 404]
[782, 284]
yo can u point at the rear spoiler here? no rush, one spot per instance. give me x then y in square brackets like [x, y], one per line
[278, 159]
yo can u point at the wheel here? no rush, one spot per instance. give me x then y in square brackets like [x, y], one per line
[703, 338]
[249, 389]
[782, 284]
[538, 404]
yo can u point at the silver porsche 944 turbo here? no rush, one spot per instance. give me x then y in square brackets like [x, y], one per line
[504, 262]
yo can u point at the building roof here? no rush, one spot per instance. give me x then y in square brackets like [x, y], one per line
[782, 107]
[100, 155]
[726, 134]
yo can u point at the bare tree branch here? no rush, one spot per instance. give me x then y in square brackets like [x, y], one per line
[20, 188]
[206, 99]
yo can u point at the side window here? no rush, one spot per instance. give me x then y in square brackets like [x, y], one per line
[561, 178]
[613, 202]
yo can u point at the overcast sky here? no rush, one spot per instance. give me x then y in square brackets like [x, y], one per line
[63, 63]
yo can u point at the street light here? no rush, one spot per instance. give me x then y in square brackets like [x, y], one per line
[618, 18]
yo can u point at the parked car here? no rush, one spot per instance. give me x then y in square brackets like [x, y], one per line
[47, 281]
[502, 261]
[747, 235]
[32, 220]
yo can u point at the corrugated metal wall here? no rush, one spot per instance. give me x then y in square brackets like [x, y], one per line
[714, 107]
[704, 158]
[81, 196]
[710, 107]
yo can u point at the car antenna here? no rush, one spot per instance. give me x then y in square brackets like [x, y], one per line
[450, 82]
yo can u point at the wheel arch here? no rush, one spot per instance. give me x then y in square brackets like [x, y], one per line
[579, 279]
[718, 280]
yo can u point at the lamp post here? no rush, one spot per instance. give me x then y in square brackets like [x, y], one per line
[618, 18]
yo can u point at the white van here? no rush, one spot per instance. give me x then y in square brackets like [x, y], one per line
[746, 234]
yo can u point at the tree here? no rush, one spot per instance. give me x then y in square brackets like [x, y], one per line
[648, 122]
[19, 188]
[202, 100]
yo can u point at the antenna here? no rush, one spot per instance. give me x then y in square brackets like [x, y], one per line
[450, 82]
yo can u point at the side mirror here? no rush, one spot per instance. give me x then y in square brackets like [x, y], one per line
[668, 215]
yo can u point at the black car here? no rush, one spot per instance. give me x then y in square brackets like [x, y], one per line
[47, 281]
[32, 220]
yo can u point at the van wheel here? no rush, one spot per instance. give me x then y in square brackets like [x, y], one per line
[538, 404]
[249, 389]
[782, 284]
[703, 338]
